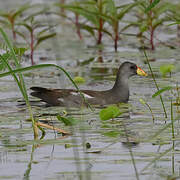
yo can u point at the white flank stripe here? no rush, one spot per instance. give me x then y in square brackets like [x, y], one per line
[74, 93]
[85, 95]
[61, 99]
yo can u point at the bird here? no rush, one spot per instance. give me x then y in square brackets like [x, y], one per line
[119, 93]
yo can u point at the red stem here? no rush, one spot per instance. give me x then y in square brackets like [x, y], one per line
[101, 22]
[62, 9]
[32, 47]
[116, 36]
[151, 30]
[100, 31]
[77, 27]
[152, 39]
[13, 31]
[178, 31]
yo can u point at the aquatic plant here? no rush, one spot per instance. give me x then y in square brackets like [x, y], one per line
[9, 19]
[79, 80]
[150, 15]
[18, 78]
[39, 32]
[174, 16]
[166, 68]
[109, 112]
[91, 11]
[113, 16]
[154, 79]
[142, 101]
[68, 121]
[97, 14]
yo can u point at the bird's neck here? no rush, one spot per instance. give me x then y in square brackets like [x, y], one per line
[121, 89]
[121, 82]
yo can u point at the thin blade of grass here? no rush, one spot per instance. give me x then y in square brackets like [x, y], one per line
[161, 99]
[161, 91]
[20, 82]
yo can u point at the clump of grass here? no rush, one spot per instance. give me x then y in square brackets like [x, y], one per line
[18, 78]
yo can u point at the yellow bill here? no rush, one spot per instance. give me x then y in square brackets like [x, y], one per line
[141, 72]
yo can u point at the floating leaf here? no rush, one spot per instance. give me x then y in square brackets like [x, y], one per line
[111, 133]
[68, 121]
[142, 101]
[110, 112]
[88, 145]
[167, 68]
[79, 80]
[67, 146]
[161, 91]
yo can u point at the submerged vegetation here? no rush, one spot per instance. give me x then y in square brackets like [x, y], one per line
[99, 24]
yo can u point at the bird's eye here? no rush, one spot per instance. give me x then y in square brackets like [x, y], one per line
[132, 67]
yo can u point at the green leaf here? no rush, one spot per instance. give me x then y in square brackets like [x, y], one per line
[167, 68]
[28, 27]
[111, 8]
[161, 91]
[68, 121]
[125, 10]
[33, 15]
[110, 112]
[142, 101]
[85, 62]
[43, 38]
[19, 51]
[5, 56]
[21, 10]
[88, 28]
[152, 5]
[112, 134]
[79, 80]
[90, 12]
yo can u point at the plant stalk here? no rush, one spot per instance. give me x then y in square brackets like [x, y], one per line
[77, 26]
[20, 80]
[151, 29]
[13, 31]
[32, 47]
[101, 22]
[116, 36]
[157, 87]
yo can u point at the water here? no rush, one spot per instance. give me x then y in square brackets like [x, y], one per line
[67, 157]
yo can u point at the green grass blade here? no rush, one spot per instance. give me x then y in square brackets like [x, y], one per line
[161, 99]
[161, 91]
[20, 81]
